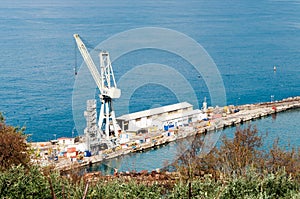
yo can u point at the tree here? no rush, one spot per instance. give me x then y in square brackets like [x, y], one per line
[235, 155]
[242, 151]
[13, 146]
[287, 157]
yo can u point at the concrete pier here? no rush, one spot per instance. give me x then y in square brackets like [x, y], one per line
[232, 116]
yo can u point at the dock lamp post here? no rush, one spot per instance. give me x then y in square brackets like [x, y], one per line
[237, 101]
[272, 98]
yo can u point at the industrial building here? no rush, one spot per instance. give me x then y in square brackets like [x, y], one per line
[181, 113]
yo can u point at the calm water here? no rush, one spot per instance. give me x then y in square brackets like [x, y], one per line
[282, 126]
[245, 39]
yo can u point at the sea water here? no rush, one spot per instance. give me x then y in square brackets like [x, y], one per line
[281, 127]
[245, 40]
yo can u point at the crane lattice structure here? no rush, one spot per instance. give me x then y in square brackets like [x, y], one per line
[106, 83]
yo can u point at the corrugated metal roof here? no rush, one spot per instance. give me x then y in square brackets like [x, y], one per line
[155, 111]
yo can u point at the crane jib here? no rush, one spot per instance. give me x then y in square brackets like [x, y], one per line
[101, 78]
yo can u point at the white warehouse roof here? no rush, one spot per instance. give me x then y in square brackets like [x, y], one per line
[155, 111]
[181, 115]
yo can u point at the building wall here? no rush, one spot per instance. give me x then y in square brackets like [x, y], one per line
[154, 120]
[66, 141]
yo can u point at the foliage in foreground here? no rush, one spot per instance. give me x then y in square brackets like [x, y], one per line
[239, 169]
[18, 182]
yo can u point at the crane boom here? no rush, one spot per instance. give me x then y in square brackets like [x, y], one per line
[89, 62]
[106, 71]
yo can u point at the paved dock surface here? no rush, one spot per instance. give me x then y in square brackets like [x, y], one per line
[229, 116]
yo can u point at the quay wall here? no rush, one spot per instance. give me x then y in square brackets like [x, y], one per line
[236, 115]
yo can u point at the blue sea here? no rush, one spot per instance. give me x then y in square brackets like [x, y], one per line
[245, 40]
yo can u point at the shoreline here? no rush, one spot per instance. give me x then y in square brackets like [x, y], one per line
[239, 115]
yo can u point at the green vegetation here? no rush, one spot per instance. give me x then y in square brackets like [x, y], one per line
[19, 182]
[22, 183]
[238, 169]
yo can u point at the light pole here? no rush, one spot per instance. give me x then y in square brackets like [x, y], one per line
[272, 98]
[237, 101]
[73, 132]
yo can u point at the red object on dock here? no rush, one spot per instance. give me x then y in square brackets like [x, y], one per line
[71, 149]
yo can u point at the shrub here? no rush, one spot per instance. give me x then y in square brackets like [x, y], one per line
[19, 182]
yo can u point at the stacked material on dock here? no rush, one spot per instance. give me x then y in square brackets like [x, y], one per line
[158, 137]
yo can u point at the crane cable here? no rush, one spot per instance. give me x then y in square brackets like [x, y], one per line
[75, 54]
[88, 46]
